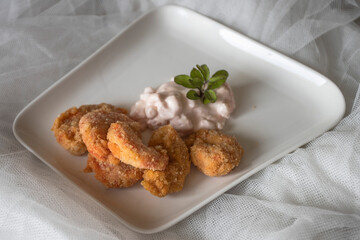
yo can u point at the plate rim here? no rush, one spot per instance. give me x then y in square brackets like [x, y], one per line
[222, 190]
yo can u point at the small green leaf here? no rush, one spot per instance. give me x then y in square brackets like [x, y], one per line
[184, 80]
[197, 82]
[221, 73]
[218, 82]
[196, 74]
[193, 95]
[210, 95]
[206, 101]
[204, 71]
[218, 79]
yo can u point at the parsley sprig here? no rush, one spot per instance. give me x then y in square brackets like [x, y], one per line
[200, 79]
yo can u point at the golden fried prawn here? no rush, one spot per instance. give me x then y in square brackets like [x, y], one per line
[214, 153]
[172, 179]
[127, 145]
[189, 140]
[119, 175]
[94, 127]
[66, 126]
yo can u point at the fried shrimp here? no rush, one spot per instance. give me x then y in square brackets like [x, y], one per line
[189, 140]
[94, 127]
[161, 183]
[66, 126]
[119, 175]
[214, 153]
[127, 145]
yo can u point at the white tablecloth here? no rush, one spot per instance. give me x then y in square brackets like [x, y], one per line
[312, 193]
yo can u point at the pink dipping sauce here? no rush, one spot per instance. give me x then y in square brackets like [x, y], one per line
[169, 105]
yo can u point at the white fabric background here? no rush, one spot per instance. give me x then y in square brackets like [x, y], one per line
[312, 193]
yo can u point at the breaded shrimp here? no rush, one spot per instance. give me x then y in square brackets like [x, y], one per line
[66, 126]
[189, 140]
[126, 144]
[112, 175]
[214, 153]
[172, 179]
[94, 127]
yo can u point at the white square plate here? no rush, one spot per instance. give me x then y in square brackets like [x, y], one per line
[281, 105]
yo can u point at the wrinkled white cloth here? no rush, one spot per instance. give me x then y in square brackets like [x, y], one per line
[312, 193]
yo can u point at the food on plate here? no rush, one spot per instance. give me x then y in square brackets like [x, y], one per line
[126, 144]
[209, 106]
[189, 140]
[66, 126]
[112, 175]
[172, 179]
[120, 159]
[94, 127]
[214, 153]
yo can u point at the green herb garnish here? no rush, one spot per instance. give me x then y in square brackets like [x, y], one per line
[200, 79]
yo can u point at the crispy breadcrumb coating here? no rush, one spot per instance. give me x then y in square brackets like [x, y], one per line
[189, 140]
[172, 179]
[119, 175]
[214, 153]
[94, 127]
[127, 145]
[66, 126]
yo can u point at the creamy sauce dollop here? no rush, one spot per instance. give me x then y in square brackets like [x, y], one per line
[168, 105]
